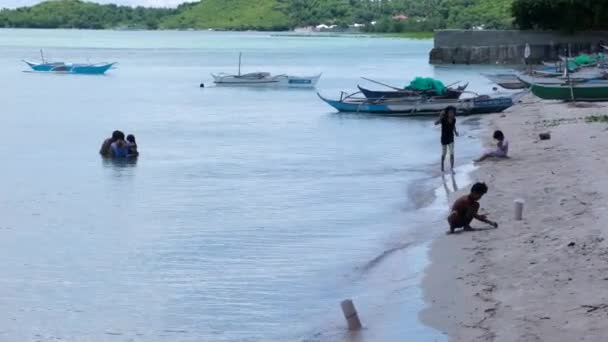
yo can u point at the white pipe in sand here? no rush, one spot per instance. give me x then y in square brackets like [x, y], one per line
[350, 313]
[519, 209]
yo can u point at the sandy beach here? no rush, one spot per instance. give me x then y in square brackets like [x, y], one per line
[542, 278]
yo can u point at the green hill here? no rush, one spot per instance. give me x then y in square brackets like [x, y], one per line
[486, 13]
[424, 15]
[232, 15]
[84, 15]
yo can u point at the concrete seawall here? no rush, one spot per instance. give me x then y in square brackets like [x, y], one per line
[507, 47]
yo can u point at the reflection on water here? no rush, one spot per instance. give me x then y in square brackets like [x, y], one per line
[250, 211]
[121, 163]
[454, 186]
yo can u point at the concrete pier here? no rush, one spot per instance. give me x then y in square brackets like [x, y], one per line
[507, 46]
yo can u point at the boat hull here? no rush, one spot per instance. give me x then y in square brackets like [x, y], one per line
[506, 81]
[397, 94]
[280, 81]
[85, 69]
[587, 92]
[420, 108]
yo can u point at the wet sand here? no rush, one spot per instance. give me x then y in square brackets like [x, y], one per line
[542, 278]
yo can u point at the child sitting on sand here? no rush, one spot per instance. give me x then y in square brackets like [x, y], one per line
[466, 208]
[502, 148]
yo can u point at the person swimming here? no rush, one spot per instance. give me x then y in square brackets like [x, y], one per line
[106, 146]
[132, 146]
[119, 148]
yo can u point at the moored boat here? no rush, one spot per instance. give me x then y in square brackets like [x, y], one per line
[450, 93]
[419, 107]
[530, 80]
[507, 81]
[264, 79]
[70, 68]
[589, 91]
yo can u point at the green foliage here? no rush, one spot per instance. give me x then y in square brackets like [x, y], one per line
[489, 14]
[83, 15]
[424, 15]
[232, 15]
[565, 15]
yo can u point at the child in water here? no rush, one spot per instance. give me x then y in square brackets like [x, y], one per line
[131, 146]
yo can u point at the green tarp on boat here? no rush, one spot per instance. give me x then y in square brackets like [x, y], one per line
[427, 84]
[585, 60]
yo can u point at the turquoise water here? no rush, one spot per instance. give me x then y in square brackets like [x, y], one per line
[250, 214]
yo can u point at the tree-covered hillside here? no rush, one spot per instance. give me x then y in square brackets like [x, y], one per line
[422, 15]
[85, 15]
[232, 15]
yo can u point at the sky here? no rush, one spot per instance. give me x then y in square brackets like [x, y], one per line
[150, 3]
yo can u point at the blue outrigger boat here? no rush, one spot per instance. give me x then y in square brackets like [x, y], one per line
[69, 68]
[419, 106]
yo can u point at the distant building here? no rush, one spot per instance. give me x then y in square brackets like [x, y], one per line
[400, 17]
[324, 27]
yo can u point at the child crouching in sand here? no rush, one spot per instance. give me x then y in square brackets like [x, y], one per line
[502, 148]
[466, 208]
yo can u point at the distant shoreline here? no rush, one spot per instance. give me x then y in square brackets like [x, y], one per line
[405, 35]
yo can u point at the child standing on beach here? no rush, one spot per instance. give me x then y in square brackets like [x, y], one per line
[447, 119]
[466, 208]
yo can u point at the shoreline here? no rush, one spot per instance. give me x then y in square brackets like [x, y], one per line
[389, 310]
[288, 34]
[535, 279]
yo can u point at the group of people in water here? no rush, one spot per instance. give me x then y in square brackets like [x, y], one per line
[119, 147]
[466, 208]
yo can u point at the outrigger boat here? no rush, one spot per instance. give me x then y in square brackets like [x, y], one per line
[265, 79]
[523, 81]
[590, 91]
[451, 93]
[507, 81]
[419, 107]
[419, 88]
[69, 68]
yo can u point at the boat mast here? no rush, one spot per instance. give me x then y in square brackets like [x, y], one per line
[42, 56]
[240, 53]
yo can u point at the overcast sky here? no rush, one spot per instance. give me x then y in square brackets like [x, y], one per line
[155, 3]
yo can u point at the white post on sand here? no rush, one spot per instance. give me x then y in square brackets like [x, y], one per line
[519, 209]
[350, 313]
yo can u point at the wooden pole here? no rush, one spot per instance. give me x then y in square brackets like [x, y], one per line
[240, 53]
[568, 75]
[519, 209]
[350, 314]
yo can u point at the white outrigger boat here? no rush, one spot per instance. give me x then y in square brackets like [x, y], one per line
[265, 79]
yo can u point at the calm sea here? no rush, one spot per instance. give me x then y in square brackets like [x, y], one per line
[250, 214]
